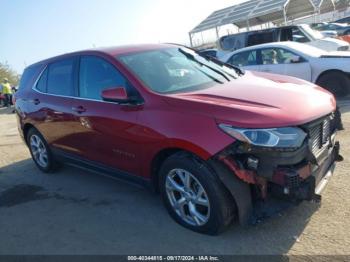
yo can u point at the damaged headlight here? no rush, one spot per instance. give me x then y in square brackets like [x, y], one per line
[271, 137]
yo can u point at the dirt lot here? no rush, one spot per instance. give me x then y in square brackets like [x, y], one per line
[78, 212]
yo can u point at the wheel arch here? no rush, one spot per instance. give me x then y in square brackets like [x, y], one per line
[159, 159]
[26, 128]
[239, 190]
[329, 71]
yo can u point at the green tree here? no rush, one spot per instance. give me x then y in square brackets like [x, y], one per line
[9, 73]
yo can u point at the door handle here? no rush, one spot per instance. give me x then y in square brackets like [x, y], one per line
[78, 109]
[36, 101]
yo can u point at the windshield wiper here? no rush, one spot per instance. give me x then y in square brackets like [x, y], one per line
[191, 57]
[211, 77]
[238, 70]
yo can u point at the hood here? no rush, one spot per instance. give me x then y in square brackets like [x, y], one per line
[328, 44]
[258, 100]
[336, 54]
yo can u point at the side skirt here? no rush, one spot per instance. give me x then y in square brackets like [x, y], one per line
[100, 169]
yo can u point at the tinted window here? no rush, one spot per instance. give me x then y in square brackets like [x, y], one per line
[260, 38]
[96, 74]
[41, 85]
[286, 34]
[28, 76]
[233, 42]
[60, 77]
[247, 58]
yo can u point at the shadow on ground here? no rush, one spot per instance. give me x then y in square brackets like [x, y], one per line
[78, 212]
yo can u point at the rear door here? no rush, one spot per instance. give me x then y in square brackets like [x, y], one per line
[281, 61]
[106, 131]
[52, 98]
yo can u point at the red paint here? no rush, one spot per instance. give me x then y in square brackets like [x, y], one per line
[129, 137]
[116, 94]
[245, 175]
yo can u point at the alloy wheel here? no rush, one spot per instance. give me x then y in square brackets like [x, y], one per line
[39, 151]
[187, 197]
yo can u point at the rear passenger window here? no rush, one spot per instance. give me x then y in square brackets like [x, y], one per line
[96, 74]
[60, 77]
[28, 76]
[41, 85]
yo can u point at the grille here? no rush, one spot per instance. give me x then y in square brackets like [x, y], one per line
[319, 135]
[292, 180]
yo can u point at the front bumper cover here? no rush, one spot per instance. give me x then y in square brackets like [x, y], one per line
[273, 192]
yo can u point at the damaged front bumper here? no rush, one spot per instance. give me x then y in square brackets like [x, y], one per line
[280, 178]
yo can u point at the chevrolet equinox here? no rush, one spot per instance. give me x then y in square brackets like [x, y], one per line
[218, 143]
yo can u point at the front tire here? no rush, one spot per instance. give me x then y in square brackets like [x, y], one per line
[40, 152]
[337, 83]
[194, 196]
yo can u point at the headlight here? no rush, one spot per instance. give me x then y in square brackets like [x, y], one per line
[272, 137]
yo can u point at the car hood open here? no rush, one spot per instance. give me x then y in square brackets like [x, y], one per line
[258, 100]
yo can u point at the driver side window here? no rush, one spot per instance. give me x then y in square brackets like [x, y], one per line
[95, 75]
[277, 56]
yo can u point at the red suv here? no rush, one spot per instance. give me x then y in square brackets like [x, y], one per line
[217, 142]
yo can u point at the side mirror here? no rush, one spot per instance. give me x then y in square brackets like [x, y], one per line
[115, 94]
[295, 59]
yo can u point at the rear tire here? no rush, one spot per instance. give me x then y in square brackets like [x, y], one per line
[337, 83]
[41, 152]
[194, 196]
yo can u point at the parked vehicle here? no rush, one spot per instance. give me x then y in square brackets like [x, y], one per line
[343, 20]
[208, 52]
[330, 33]
[341, 29]
[212, 139]
[330, 70]
[296, 33]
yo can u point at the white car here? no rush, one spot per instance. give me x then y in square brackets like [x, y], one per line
[330, 70]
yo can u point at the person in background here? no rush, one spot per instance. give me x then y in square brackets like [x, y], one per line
[7, 92]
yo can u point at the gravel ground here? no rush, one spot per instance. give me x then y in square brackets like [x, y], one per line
[78, 212]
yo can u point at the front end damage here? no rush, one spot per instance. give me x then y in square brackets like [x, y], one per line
[281, 177]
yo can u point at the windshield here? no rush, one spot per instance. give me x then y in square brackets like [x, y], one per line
[315, 35]
[175, 70]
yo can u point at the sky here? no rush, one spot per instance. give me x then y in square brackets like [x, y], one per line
[32, 30]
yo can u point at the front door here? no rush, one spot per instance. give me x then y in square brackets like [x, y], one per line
[107, 131]
[282, 61]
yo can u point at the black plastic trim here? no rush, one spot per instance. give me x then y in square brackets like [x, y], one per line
[102, 169]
